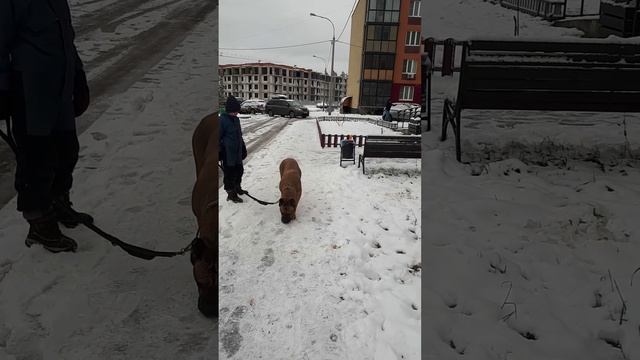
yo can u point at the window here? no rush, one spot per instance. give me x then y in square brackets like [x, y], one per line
[413, 38]
[265, 78]
[407, 93]
[375, 93]
[255, 95]
[409, 67]
[380, 46]
[387, 11]
[381, 32]
[266, 87]
[255, 78]
[414, 9]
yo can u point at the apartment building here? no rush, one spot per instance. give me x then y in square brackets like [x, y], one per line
[264, 80]
[384, 58]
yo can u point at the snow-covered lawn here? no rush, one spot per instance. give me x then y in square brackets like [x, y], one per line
[464, 19]
[340, 282]
[533, 256]
[553, 244]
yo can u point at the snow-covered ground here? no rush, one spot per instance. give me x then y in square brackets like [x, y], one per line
[530, 248]
[465, 19]
[340, 282]
[135, 176]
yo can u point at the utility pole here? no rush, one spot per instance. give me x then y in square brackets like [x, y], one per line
[324, 93]
[333, 52]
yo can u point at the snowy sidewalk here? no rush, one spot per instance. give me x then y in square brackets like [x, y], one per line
[135, 176]
[338, 282]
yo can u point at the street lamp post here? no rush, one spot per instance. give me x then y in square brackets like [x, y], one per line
[333, 51]
[324, 94]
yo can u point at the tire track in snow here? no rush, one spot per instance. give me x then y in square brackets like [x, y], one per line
[106, 15]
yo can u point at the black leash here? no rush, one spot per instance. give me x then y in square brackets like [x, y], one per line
[133, 250]
[137, 251]
[261, 202]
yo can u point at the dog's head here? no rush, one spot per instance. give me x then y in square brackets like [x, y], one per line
[205, 272]
[287, 209]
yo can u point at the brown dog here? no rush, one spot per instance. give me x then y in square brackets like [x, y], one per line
[204, 203]
[290, 189]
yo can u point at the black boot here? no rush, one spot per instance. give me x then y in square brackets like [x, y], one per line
[66, 215]
[233, 196]
[44, 230]
[240, 191]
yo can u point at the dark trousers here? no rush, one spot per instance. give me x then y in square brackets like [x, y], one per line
[44, 163]
[44, 167]
[232, 176]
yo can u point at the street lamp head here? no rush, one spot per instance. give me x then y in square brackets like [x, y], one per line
[312, 14]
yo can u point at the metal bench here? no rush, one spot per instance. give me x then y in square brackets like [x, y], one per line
[383, 146]
[547, 76]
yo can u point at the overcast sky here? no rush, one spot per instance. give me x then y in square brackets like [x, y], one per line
[271, 23]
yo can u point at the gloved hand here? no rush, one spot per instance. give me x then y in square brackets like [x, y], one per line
[81, 96]
[244, 151]
[5, 110]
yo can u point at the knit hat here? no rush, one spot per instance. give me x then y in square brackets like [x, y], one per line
[232, 105]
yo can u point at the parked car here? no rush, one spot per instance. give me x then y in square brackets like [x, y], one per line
[252, 106]
[279, 96]
[404, 111]
[291, 108]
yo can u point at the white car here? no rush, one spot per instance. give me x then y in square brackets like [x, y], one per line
[252, 106]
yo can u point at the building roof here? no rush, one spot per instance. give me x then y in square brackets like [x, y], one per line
[261, 64]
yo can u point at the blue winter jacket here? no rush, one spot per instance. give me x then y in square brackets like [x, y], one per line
[232, 147]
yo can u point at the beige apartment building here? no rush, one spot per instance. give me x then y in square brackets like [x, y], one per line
[264, 80]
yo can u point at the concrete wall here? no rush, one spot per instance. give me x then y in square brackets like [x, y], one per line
[355, 52]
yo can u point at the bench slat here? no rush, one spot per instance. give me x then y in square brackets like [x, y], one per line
[560, 101]
[554, 47]
[395, 155]
[554, 78]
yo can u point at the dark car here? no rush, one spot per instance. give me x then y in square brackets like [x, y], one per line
[291, 108]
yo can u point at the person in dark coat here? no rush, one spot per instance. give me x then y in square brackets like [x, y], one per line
[232, 150]
[386, 115]
[43, 88]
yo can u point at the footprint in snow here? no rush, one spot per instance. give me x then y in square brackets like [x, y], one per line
[98, 136]
[134, 209]
[185, 201]
[267, 260]
[230, 332]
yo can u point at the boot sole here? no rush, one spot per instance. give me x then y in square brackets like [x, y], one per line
[54, 249]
